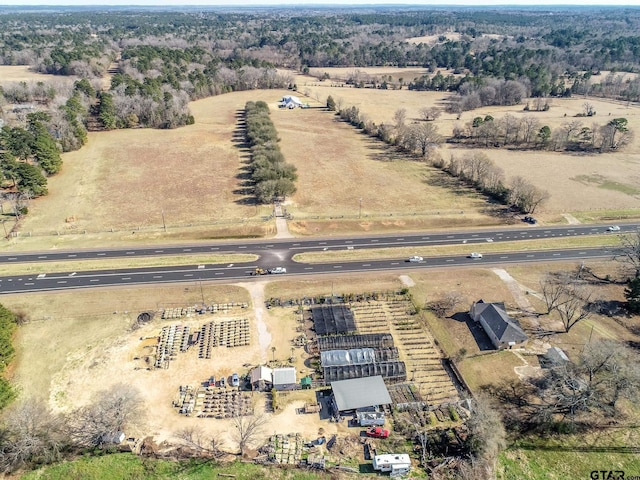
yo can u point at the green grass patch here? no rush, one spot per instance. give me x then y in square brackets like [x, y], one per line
[607, 215]
[569, 456]
[125, 466]
[620, 187]
[489, 368]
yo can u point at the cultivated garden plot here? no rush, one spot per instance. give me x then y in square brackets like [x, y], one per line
[416, 346]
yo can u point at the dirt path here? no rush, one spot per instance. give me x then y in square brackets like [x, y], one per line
[517, 291]
[282, 228]
[256, 290]
[571, 219]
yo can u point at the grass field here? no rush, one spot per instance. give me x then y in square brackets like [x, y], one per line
[571, 456]
[127, 466]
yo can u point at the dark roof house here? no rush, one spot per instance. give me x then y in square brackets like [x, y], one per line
[503, 330]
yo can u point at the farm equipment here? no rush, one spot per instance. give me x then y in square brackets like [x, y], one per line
[377, 432]
[259, 271]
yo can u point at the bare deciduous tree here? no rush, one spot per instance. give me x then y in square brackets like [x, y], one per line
[568, 297]
[487, 436]
[247, 429]
[400, 117]
[429, 114]
[209, 445]
[111, 411]
[447, 303]
[30, 435]
[628, 252]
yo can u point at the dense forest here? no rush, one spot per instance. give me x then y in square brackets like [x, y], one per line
[159, 60]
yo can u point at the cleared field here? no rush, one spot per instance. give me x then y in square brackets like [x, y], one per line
[22, 73]
[576, 183]
[131, 185]
[343, 173]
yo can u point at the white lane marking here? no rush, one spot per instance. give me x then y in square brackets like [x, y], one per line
[188, 274]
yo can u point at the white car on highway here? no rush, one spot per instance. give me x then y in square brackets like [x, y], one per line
[278, 270]
[416, 259]
[475, 255]
[613, 228]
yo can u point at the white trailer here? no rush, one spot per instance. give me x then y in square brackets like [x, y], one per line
[395, 463]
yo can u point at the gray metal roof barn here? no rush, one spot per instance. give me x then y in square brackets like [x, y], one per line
[360, 393]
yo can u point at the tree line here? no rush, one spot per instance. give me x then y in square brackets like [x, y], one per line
[26, 156]
[528, 133]
[422, 139]
[272, 176]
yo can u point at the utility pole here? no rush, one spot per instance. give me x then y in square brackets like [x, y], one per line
[360, 209]
[164, 225]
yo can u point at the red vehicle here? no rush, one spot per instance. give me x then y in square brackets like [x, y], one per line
[377, 432]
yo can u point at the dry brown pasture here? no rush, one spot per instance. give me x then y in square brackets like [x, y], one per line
[126, 186]
[576, 182]
[123, 185]
[23, 73]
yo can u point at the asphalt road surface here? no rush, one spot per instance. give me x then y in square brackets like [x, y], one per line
[235, 272]
[288, 248]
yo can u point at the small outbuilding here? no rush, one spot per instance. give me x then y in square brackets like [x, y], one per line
[261, 378]
[359, 393]
[555, 356]
[503, 331]
[285, 378]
